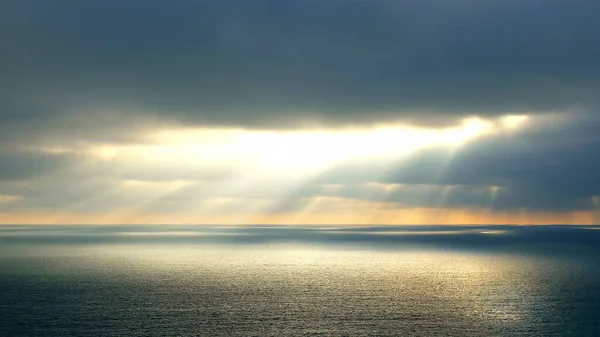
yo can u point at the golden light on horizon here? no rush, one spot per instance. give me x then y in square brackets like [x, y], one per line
[321, 210]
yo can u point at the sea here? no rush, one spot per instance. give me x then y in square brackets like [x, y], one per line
[300, 280]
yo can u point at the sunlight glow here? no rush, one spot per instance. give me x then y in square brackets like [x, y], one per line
[514, 121]
[5, 198]
[300, 150]
[154, 184]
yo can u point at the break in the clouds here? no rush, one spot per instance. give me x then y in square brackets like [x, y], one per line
[299, 107]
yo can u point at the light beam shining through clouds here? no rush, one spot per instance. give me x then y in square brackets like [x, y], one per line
[235, 112]
[212, 175]
[291, 159]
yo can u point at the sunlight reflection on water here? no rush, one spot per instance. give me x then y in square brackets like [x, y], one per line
[290, 289]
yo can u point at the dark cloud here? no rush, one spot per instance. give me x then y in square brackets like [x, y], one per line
[23, 166]
[554, 167]
[274, 63]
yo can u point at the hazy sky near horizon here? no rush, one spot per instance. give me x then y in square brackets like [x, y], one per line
[300, 111]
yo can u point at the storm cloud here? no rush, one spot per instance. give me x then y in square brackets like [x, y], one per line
[273, 63]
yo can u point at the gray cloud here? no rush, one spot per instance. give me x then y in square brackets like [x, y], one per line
[273, 63]
[23, 166]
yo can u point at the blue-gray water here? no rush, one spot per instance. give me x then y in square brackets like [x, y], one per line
[296, 281]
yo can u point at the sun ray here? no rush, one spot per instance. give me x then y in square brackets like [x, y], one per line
[285, 163]
[596, 203]
[494, 190]
[446, 194]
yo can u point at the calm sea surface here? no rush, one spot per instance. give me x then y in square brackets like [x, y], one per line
[299, 281]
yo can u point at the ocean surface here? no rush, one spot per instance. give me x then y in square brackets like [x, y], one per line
[299, 281]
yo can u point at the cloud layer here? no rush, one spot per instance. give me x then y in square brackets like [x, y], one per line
[85, 85]
[292, 63]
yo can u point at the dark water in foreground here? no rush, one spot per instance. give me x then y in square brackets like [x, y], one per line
[296, 281]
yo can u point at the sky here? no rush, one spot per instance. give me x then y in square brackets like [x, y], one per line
[300, 112]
